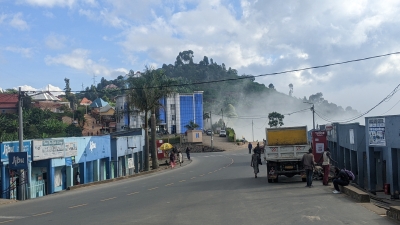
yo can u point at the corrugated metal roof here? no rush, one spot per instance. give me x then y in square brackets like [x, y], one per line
[98, 103]
[43, 96]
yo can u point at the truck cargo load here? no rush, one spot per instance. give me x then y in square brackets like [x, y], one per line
[283, 151]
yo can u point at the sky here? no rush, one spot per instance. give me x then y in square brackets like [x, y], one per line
[45, 41]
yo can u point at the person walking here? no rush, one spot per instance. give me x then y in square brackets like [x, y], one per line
[326, 157]
[308, 164]
[78, 179]
[180, 157]
[341, 179]
[254, 163]
[172, 159]
[188, 153]
[250, 146]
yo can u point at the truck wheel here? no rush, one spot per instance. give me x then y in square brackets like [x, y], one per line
[304, 179]
[269, 180]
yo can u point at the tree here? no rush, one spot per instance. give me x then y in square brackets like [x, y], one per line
[271, 86]
[275, 119]
[191, 125]
[145, 93]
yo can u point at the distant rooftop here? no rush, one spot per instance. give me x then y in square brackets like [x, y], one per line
[43, 96]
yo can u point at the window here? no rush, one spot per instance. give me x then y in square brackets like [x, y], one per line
[173, 117]
[172, 106]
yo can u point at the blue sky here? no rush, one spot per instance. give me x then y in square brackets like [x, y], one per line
[45, 41]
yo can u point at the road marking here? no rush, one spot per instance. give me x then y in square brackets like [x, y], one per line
[76, 206]
[202, 175]
[182, 181]
[41, 214]
[215, 170]
[152, 188]
[169, 184]
[108, 199]
[7, 221]
[193, 178]
[133, 193]
[210, 172]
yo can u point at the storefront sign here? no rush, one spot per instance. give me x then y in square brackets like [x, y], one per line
[48, 149]
[71, 149]
[68, 161]
[376, 130]
[18, 160]
[131, 165]
[7, 147]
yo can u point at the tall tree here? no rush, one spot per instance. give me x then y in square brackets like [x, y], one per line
[145, 94]
[275, 119]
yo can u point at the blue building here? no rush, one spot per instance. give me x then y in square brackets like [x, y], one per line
[383, 152]
[179, 109]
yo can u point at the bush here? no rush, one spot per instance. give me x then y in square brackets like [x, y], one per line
[172, 140]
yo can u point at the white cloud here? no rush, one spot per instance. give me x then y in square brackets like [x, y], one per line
[18, 22]
[55, 41]
[48, 14]
[79, 60]
[25, 52]
[50, 3]
[53, 89]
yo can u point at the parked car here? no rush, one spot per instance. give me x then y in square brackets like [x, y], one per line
[209, 132]
[222, 133]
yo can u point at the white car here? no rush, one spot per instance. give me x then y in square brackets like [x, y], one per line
[222, 133]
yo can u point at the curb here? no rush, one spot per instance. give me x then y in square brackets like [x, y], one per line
[70, 188]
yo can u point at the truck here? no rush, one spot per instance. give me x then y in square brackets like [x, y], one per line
[284, 148]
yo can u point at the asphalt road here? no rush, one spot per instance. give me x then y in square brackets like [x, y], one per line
[216, 188]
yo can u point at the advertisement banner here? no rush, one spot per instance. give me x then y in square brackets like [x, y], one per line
[48, 149]
[18, 160]
[13, 146]
[131, 165]
[376, 130]
[71, 149]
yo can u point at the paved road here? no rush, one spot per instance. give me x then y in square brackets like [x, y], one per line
[216, 188]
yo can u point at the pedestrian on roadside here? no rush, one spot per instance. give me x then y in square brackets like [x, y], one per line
[180, 157]
[257, 150]
[254, 163]
[172, 159]
[308, 164]
[188, 153]
[250, 146]
[326, 157]
[78, 179]
[341, 179]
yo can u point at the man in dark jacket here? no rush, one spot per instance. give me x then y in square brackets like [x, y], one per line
[342, 179]
[249, 146]
[308, 164]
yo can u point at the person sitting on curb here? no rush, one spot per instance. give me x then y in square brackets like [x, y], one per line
[341, 179]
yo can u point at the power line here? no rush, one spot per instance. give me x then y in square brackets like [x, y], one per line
[389, 96]
[255, 76]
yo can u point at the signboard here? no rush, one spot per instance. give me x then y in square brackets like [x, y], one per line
[319, 143]
[13, 146]
[131, 165]
[48, 149]
[71, 149]
[351, 132]
[376, 130]
[18, 160]
[68, 161]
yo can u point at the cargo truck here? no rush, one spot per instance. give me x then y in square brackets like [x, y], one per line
[284, 148]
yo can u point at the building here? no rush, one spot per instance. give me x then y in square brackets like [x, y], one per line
[382, 138]
[347, 145]
[47, 101]
[8, 103]
[125, 116]
[179, 109]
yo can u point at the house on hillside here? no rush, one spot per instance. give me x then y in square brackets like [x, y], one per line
[8, 103]
[46, 100]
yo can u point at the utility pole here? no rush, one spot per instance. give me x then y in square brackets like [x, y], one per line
[222, 111]
[252, 131]
[21, 187]
[313, 117]
[313, 112]
[211, 132]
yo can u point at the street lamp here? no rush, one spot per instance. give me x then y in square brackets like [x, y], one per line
[313, 112]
